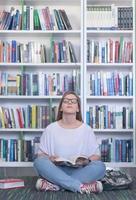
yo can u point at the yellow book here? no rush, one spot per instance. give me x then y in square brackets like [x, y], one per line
[33, 116]
[2, 117]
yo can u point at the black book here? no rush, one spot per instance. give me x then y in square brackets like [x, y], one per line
[65, 19]
[72, 53]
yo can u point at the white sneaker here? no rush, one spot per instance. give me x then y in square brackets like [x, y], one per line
[95, 187]
[45, 185]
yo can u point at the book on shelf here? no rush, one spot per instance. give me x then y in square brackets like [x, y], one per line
[72, 162]
[109, 17]
[11, 183]
[116, 150]
[102, 16]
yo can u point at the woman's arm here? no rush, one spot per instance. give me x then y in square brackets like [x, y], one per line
[94, 157]
[43, 154]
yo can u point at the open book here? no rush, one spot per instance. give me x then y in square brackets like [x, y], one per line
[73, 162]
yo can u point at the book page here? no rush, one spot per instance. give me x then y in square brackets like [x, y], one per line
[74, 161]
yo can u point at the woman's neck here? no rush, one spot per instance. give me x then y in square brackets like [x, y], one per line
[70, 121]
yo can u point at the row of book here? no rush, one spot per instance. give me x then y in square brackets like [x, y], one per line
[110, 83]
[109, 17]
[36, 52]
[31, 84]
[30, 18]
[116, 150]
[28, 116]
[110, 51]
[17, 150]
[110, 117]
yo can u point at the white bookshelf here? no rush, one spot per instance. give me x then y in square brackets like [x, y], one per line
[90, 100]
[74, 10]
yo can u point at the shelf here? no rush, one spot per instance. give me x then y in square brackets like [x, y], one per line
[40, 2]
[105, 33]
[30, 97]
[111, 97]
[39, 33]
[21, 130]
[109, 2]
[16, 164]
[113, 130]
[77, 12]
[110, 65]
[119, 164]
[111, 45]
[30, 164]
[77, 65]
[41, 129]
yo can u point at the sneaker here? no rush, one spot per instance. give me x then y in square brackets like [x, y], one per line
[95, 187]
[45, 185]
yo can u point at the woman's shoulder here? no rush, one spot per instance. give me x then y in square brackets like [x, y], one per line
[52, 125]
[87, 128]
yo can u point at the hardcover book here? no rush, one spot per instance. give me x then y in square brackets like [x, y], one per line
[11, 183]
[73, 162]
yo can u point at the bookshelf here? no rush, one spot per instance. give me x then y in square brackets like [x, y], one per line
[70, 71]
[78, 36]
[101, 99]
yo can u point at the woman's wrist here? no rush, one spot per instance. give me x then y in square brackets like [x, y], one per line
[89, 159]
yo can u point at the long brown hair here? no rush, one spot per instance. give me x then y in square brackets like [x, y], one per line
[78, 114]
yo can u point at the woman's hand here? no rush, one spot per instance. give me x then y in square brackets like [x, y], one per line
[52, 158]
[95, 157]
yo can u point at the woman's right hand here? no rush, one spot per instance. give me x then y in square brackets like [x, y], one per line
[52, 158]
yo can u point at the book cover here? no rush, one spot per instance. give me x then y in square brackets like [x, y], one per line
[11, 183]
[73, 162]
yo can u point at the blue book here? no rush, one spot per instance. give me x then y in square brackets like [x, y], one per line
[123, 151]
[13, 51]
[88, 117]
[117, 150]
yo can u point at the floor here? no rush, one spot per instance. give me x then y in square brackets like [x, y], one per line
[29, 193]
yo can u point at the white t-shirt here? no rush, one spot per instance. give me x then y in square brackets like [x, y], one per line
[63, 142]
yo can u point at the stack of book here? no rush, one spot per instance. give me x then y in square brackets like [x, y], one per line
[11, 183]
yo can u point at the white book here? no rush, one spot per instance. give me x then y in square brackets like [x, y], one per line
[19, 150]
[16, 118]
[43, 26]
[31, 18]
[41, 83]
[1, 150]
[114, 16]
[119, 117]
[8, 151]
[127, 117]
[92, 50]
[11, 183]
[54, 21]
[105, 91]
[37, 52]
[74, 161]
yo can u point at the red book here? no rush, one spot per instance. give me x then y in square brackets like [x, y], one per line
[20, 120]
[11, 183]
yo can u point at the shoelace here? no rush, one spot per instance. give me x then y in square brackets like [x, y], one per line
[89, 188]
[47, 186]
[43, 184]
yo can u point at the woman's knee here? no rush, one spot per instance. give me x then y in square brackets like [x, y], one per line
[100, 166]
[39, 161]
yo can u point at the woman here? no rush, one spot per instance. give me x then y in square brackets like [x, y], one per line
[68, 137]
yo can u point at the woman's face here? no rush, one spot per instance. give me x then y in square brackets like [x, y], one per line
[70, 104]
